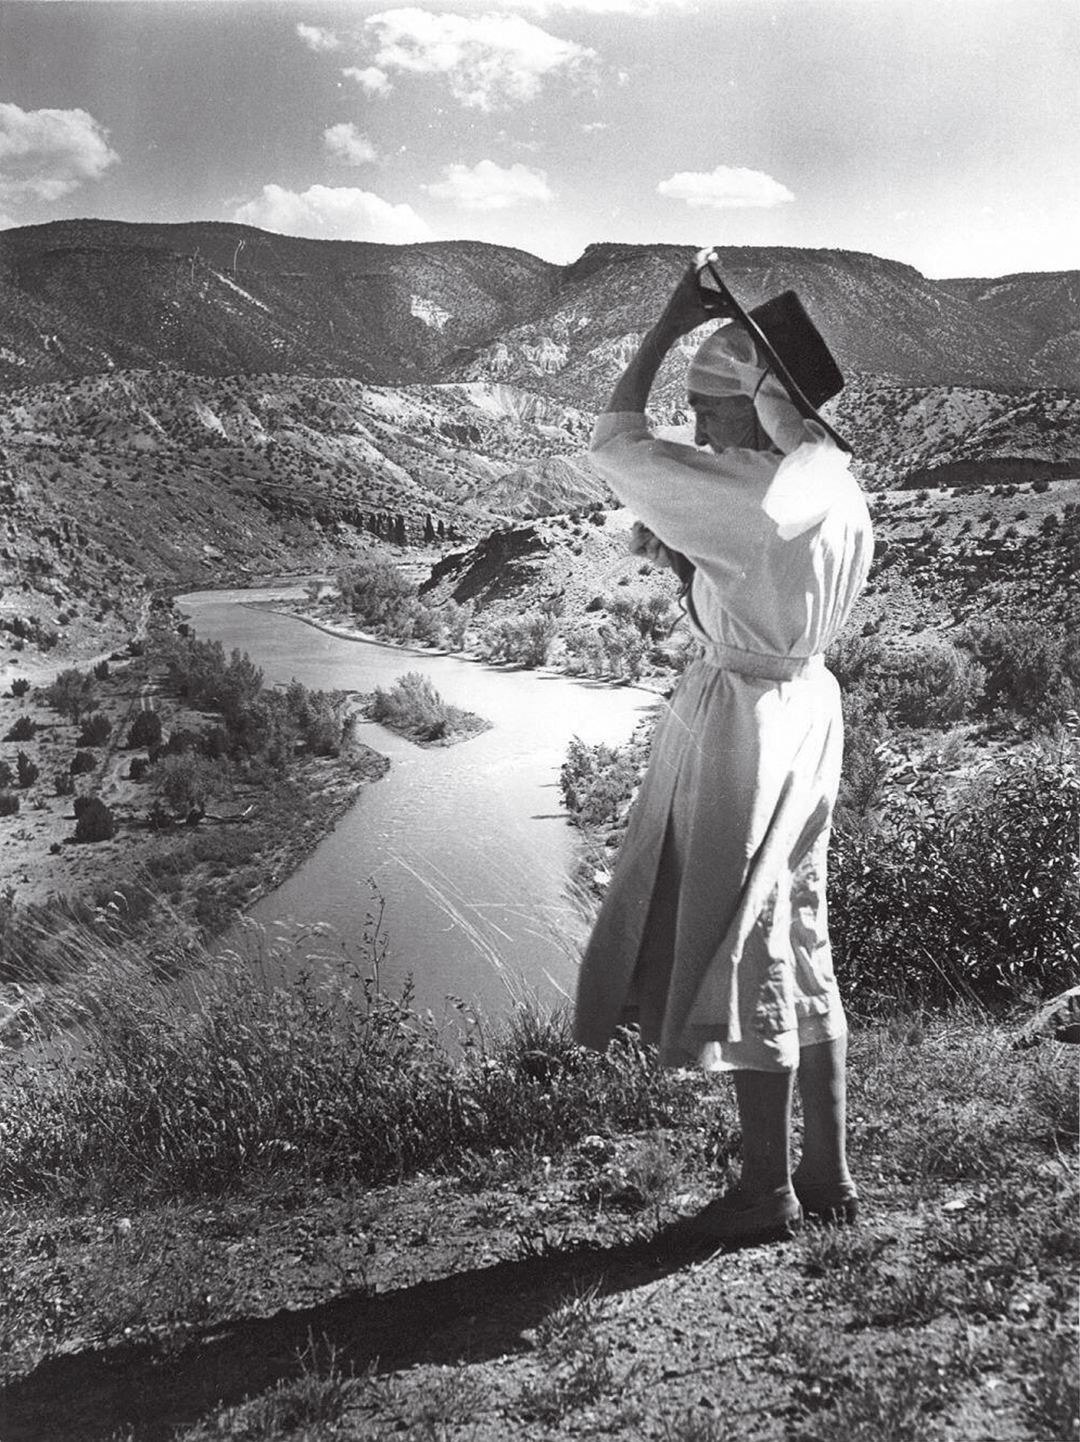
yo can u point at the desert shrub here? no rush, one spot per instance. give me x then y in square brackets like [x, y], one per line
[599, 781]
[201, 674]
[145, 730]
[95, 821]
[24, 729]
[96, 729]
[412, 705]
[971, 891]
[427, 626]
[9, 804]
[936, 685]
[652, 616]
[377, 593]
[320, 718]
[138, 768]
[520, 640]
[20, 686]
[1032, 668]
[64, 783]
[101, 671]
[27, 771]
[82, 762]
[187, 781]
[72, 694]
[7, 775]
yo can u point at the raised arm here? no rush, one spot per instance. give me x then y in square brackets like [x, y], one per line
[682, 314]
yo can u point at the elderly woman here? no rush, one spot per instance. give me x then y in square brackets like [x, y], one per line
[713, 934]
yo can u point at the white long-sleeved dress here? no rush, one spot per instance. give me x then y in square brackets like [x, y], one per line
[713, 933]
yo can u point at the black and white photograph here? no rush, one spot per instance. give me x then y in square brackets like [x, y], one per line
[539, 720]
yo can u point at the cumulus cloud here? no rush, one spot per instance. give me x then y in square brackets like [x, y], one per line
[318, 39]
[46, 154]
[370, 78]
[333, 213]
[726, 188]
[346, 143]
[490, 61]
[487, 186]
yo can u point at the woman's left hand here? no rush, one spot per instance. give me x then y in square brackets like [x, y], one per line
[684, 311]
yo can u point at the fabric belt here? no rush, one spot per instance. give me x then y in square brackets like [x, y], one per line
[760, 664]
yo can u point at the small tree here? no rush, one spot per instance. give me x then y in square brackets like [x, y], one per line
[95, 730]
[9, 805]
[71, 694]
[20, 686]
[27, 771]
[24, 729]
[82, 762]
[145, 730]
[96, 821]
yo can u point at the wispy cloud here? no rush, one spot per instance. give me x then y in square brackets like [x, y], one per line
[46, 154]
[316, 38]
[489, 61]
[346, 143]
[369, 78]
[333, 213]
[487, 186]
[726, 188]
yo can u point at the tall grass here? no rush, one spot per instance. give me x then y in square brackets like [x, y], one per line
[323, 1077]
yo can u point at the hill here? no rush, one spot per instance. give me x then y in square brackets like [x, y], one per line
[85, 297]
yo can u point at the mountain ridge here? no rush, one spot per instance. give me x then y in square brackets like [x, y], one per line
[85, 297]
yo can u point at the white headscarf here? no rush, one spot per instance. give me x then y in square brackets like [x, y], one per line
[727, 363]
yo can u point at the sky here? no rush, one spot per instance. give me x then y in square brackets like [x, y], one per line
[941, 133]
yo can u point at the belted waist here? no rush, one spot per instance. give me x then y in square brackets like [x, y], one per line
[761, 664]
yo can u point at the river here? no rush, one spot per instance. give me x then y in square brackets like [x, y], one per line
[465, 849]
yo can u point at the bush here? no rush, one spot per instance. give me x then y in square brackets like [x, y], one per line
[379, 596]
[958, 894]
[145, 730]
[138, 768]
[188, 781]
[101, 671]
[95, 820]
[20, 686]
[83, 762]
[598, 781]
[71, 694]
[1032, 668]
[24, 729]
[64, 783]
[96, 730]
[9, 804]
[26, 770]
[7, 776]
[412, 705]
[520, 640]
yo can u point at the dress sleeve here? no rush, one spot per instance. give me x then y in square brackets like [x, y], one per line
[696, 501]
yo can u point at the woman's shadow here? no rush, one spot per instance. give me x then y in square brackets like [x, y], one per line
[147, 1390]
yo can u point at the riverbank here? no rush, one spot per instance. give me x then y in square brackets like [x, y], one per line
[154, 876]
